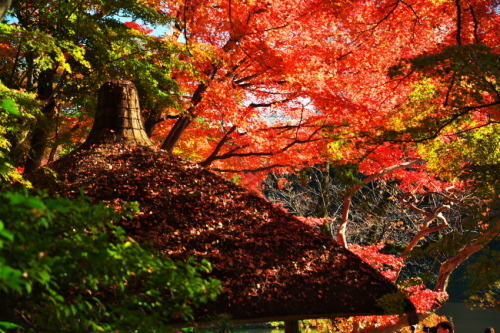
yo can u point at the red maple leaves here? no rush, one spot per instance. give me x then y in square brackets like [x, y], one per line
[138, 27]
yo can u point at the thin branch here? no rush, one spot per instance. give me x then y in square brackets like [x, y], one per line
[246, 78]
[50, 99]
[217, 149]
[450, 87]
[76, 7]
[14, 66]
[255, 170]
[231, 155]
[464, 111]
[425, 230]
[435, 214]
[298, 141]
[476, 24]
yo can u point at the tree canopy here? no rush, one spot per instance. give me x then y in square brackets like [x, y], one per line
[395, 90]
[241, 86]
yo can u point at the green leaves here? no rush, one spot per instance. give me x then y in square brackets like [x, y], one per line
[17, 109]
[7, 326]
[73, 49]
[67, 266]
[9, 105]
[484, 281]
[392, 303]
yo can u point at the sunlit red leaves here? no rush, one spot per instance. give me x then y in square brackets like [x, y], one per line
[138, 27]
[425, 299]
[389, 265]
[306, 70]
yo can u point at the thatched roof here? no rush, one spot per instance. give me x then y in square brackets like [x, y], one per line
[273, 266]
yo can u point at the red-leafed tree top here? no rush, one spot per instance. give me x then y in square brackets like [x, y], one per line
[248, 87]
[293, 83]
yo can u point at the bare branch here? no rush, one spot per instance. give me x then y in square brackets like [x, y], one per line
[451, 264]
[233, 152]
[476, 24]
[266, 168]
[459, 22]
[217, 149]
[341, 233]
[435, 214]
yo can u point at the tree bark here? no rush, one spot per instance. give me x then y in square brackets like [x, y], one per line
[449, 266]
[153, 119]
[184, 121]
[341, 233]
[175, 133]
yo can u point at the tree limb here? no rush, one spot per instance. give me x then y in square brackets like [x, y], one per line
[452, 263]
[341, 233]
[266, 168]
[436, 214]
[217, 149]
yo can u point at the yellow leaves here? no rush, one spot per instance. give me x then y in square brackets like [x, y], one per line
[421, 106]
[448, 154]
[335, 150]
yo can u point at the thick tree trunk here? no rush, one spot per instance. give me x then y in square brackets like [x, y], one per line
[118, 117]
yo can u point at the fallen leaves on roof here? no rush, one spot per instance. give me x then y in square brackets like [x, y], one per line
[272, 265]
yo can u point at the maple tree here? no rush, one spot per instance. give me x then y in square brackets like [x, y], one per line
[448, 228]
[247, 87]
[243, 86]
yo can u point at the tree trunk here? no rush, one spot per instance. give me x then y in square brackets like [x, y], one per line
[153, 119]
[449, 266]
[291, 326]
[184, 121]
[4, 7]
[118, 117]
[38, 143]
[175, 133]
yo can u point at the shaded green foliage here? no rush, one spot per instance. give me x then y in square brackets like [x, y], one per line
[484, 280]
[16, 111]
[66, 266]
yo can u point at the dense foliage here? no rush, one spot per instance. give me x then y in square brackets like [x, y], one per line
[239, 86]
[65, 266]
[399, 91]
